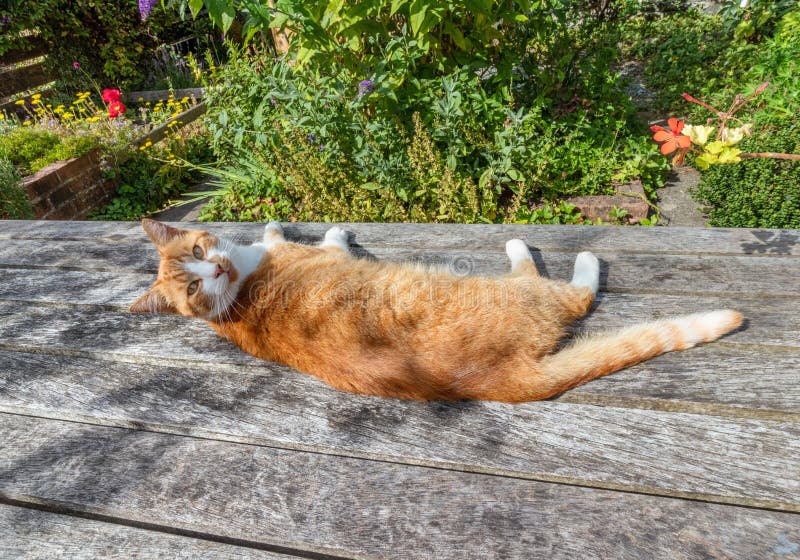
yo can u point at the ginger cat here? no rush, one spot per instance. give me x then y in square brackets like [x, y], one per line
[402, 330]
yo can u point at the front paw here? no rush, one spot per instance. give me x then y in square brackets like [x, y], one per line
[273, 230]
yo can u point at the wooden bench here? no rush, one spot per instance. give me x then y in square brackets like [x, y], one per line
[126, 435]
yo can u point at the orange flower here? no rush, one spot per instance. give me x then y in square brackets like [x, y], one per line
[672, 139]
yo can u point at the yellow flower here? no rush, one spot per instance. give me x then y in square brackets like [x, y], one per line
[698, 133]
[2, 116]
[36, 96]
[140, 99]
[19, 102]
[68, 115]
[26, 123]
[58, 110]
[732, 136]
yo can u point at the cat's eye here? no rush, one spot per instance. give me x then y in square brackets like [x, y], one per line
[193, 287]
[197, 252]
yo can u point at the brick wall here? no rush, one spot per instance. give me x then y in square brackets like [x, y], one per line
[69, 190]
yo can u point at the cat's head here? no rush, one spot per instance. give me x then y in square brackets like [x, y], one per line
[196, 275]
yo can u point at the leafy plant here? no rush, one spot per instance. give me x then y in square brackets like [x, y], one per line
[151, 178]
[29, 149]
[14, 204]
[759, 193]
[109, 40]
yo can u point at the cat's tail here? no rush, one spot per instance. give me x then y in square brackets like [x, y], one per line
[598, 355]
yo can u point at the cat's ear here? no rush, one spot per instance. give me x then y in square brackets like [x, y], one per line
[161, 234]
[153, 301]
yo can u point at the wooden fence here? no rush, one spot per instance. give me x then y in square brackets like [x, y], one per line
[21, 70]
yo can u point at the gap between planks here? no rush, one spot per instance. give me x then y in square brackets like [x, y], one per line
[39, 531]
[573, 396]
[749, 503]
[57, 508]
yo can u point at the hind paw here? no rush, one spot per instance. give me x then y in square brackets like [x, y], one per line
[336, 237]
[587, 271]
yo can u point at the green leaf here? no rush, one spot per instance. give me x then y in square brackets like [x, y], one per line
[514, 175]
[417, 11]
[195, 6]
[396, 5]
[485, 176]
[371, 186]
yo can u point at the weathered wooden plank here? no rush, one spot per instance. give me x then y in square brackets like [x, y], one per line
[678, 240]
[31, 534]
[753, 379]
[161, 131]
[162, 94]
[769, 323]
[34, 48]
[22, 78]
[9, 106]
[638, 450]
[357, 508]
[740, 275]
[116, 289]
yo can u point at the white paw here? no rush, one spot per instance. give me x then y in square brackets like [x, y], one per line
[517, 250]
[273, 233]
[273, 228]
[587, 271]
[336, 237]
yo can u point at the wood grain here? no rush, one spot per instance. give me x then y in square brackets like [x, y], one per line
[162, 95]
[740, 377]
[22, 78]
[357, 508]
[769, 323]
[637, 450]
[676, 274]
[29, 534]
[34, 47]
[677, 240]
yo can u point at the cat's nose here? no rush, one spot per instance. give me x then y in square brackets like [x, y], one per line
[219, 271]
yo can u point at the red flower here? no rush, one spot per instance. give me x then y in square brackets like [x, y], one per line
[115, 109]
[672, 139]
[111, 95]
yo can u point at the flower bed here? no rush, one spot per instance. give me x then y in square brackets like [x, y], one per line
[131, 168]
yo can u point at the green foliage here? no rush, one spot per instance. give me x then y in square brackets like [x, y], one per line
[716, 57]
[108, 39]
[454, 147]
[29, 149]
[427, 35]
[756, 193]
[150, 179]
[561, 213]
[14, 204]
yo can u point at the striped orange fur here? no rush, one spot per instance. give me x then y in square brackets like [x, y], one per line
[402, 330]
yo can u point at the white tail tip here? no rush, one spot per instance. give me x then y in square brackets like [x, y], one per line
[708, 326]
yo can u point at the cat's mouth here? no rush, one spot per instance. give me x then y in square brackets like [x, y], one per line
[223, 267]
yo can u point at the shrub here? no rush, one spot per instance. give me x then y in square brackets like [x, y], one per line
[110, 40]
[29, 149]
[331, 144]
[150, 178]
[756, 193]
[14, 204]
